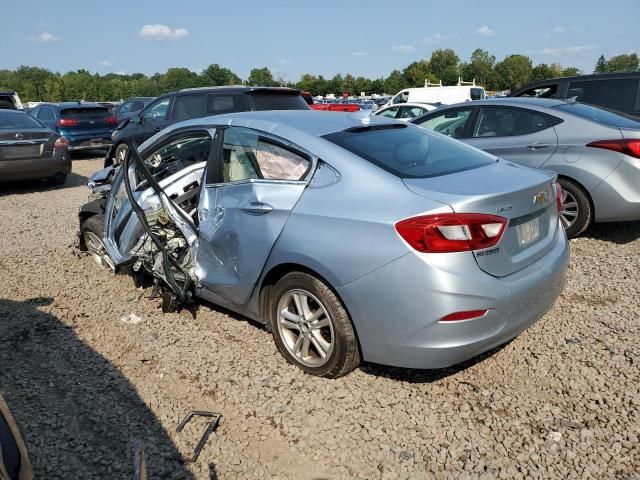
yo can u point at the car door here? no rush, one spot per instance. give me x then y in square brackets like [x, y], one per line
[152, 119]
[520, 135]
[452, 122]
[251, 187]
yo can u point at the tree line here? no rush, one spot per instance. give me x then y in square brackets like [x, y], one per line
[39, 84]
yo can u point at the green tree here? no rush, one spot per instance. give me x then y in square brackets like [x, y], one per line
[480, 68]
[395, 82]
[542, 71]
[514, 71]
[215, 75]
[417, 72]
[571, 72]
[623, 63]
[261, 77]
[444, 66]
[601, 65]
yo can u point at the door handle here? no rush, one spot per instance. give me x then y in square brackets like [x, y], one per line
[538, 146]
[257, 208]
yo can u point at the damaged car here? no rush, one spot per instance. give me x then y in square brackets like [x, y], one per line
[351, 240]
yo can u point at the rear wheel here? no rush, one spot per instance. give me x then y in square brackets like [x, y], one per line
[120, 153]
[577, 211]
[92, 230]
[311, 327]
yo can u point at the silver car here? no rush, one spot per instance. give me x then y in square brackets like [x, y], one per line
[351, 240]
[595, 152]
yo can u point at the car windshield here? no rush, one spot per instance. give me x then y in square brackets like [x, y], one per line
[17, 121]
[600, 115]
[408, 151]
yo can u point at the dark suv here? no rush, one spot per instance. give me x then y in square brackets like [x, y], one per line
[615, 91]
[198, 102]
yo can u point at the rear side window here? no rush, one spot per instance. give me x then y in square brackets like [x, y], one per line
[599, 115]
[17, 121]
[409, 152]
[46, 114]
[278, 101]
[88, 113]
[225, 103]
[188, 106]
[450, 122]
[389, 112]
[548, 91]
[618, 94]
[508, 122]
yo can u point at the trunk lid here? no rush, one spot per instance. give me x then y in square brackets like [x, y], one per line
[32, 143]
[522, 195]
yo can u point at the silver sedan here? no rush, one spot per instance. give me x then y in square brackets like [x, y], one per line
[350, 239]
[595, 152]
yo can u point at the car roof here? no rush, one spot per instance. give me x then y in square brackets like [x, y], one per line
[311, 122]
[11, 110]
[72, 104]
[237, 89]
[511, 101]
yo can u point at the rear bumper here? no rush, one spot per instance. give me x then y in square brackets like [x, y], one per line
[617, 197]
[96, 141]
[32, 168]
[396, 309]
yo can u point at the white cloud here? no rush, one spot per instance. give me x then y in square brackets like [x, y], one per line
[404, 48]
[440, 37]
[46, 37]
[359, 54]
[559, 29]
[571, 50]
[486, 31]
[579, 49]
[550, 51]
[284, 61]
[162, 32]
[106, 63]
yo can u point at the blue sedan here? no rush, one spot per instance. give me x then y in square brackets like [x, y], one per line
[350, 239]
[87, 126]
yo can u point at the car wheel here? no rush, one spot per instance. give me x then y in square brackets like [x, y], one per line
[577, 210]
[59, 179]
[92, 230]
[120, 154]
[311, 327]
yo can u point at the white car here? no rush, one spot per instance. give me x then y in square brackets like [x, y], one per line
[404, 111]
[439, 94]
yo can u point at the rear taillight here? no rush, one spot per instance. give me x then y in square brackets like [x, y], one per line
[67, 122]
[466, 315]
[627, 146]
[61, 143]
[111, 121]
[558, 190]
[452, 232]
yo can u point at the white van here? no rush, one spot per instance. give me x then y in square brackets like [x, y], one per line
[436, 94]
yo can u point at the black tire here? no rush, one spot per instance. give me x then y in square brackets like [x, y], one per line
[59, 179]
[120, 153]
[95, 225]
[584, 208]
[345, 354]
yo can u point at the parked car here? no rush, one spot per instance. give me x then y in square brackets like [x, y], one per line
[131, 106]
[438, 94]
[86, 126]
[31, 150]
[405, 111]
[194, 103]
[442, 253]
[615, 91]
[594, 151]
[10, 100]
[329, 106]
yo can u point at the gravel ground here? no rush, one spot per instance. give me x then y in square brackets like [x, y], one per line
[560, 401]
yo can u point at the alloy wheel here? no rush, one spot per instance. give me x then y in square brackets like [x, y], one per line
[569, 212]
[305, 328]
[98, 251]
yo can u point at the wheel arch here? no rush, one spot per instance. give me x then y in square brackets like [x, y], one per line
[584, 189]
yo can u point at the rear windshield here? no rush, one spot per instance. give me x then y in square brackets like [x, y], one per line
[17, 121]
[600, 115]
[410, 152]
[86, 113]
[278, 101]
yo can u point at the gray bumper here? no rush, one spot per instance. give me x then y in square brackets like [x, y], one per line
[396, 309]
[29, 169]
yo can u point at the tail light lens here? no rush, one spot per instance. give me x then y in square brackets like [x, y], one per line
[452, 232]
[67, 122]
[467, 315]
[61, 143]
[626, 146]
[558, 190]
[111, 120]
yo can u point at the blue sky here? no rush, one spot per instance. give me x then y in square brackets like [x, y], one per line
[362, 37]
